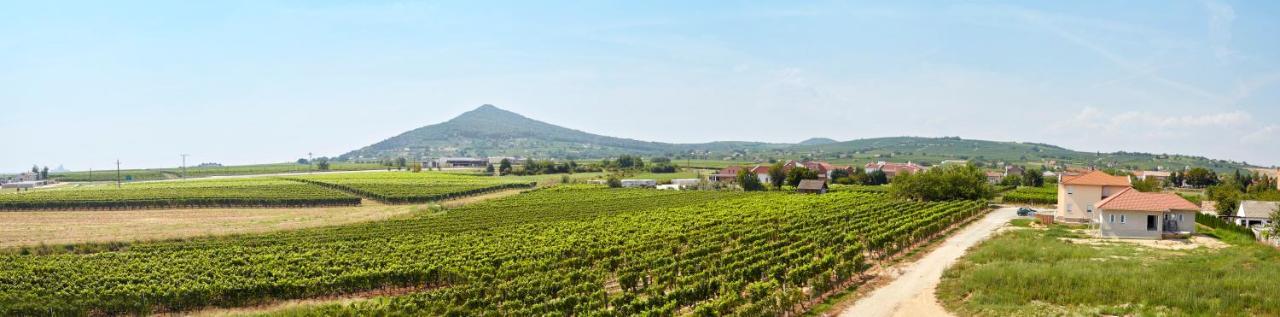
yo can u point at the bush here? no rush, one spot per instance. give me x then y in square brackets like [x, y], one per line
[957, 182]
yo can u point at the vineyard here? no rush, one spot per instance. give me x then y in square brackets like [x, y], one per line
[245, 192]
[568, 250]
[1032, 195]
[399, 188]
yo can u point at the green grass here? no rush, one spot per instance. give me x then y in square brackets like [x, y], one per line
[1033, 272]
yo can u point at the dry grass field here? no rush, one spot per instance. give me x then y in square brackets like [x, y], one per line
[64, 227]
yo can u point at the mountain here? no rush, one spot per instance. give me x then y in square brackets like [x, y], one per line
[817, 141]
[490, 131]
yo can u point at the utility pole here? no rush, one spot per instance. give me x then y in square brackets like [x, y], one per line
[310, 162]
[184, 165]
[117, 173]
[90, 174]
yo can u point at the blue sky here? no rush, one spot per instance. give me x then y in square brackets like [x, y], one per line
[84, 83]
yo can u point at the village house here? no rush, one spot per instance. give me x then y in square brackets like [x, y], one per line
[447, 162]
[1078, 194]
[1013, 170]
[812, 186]
[892, 169]
[762, 173]
[1253, 213]
[1160, 176]
[994, 177]
[727, 174]
[1130, 213]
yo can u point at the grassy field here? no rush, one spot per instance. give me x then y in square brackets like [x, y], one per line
[575, 250]
[1036, 272]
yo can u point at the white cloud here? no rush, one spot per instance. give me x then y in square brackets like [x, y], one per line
[1265, 135]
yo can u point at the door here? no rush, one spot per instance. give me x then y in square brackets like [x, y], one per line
[1151, 222]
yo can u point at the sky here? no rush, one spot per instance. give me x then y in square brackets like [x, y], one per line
[235, 82]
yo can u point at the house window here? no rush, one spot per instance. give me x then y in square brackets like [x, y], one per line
[1122, 218]
[1069, 190]
[1179, 217]
[1090, 209]
[1068, 207]
[1113, 217]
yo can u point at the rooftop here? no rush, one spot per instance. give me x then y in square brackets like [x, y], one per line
[1096, 178]
[1131, 199]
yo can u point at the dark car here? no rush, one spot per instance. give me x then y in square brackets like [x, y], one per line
[1024, 211]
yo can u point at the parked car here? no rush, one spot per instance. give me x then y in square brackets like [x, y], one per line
[1024, 211]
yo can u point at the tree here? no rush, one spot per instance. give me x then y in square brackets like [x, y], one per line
[488, 169]
[796, 174]
[401, 163]
[44, 173]
[857, 175]
[303, 161]
[841, 176]
[1226, 196]
[614, 182]
[955, 182]
[322, 164]
[1012, 180]
[504, 167]
[1200, 177]
[1146, 186]
[777, 175]
[749, 181]
[1033, 177]
[415, 167]
[878, 177]
[35, 169]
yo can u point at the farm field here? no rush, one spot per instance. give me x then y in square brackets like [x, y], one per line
[194, 172]
[240, 192]
[1038, 272]
[1033, 195]
[404, 187]
[568, 250]
[36, 228]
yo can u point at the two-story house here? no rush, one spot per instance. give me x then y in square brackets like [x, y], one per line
[1079, 194]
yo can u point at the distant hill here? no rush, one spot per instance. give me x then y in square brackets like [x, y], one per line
[933, 150]
[490, 131]
[817, 141]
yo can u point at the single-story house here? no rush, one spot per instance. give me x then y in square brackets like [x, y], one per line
[1013, 170]
[812, 186]
[727, 174]
[762, 173]
[1253, 213]
[994, 177]
[1132, 214]
[639, 183]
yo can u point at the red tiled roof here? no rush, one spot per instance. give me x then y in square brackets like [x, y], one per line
[1130, 199]
[760, 169]
[1096, 178]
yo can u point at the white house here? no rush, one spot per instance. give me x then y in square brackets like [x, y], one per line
[1253, 213]
[685, 182]
[1138, 215]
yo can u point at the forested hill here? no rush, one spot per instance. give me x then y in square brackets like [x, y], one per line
[490, 131]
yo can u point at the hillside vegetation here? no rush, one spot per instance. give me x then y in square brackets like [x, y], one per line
[490, 131]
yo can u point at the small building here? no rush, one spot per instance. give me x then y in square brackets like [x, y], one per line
[1160, 176]
[1013, 170]
[24, 185]
[762, 173]
[669, 187]
[726, 175]
[447, 162]
[1132, 214]
[994, 177]
[1253, 213]
[1209, 207]
[639, 183]
[812, 186]
[685, 182]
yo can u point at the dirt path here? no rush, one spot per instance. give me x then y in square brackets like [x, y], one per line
[912, 293]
